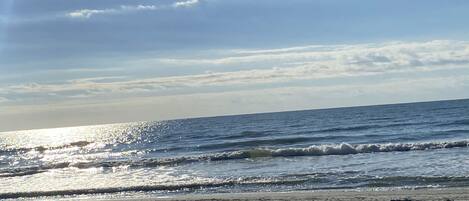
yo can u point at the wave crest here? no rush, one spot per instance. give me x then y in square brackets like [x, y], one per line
[338, 149]
[314, 150]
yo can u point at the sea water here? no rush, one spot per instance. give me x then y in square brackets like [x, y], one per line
[416, 145]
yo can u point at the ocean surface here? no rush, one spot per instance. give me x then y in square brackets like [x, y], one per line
[416, 145]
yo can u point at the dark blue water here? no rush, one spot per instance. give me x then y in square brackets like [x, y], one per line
[414, 145]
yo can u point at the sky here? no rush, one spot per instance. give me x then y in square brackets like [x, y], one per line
[77, 62]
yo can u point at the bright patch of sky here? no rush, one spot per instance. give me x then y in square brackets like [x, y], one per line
[87, 62]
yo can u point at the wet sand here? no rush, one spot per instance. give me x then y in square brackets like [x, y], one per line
[336, 195]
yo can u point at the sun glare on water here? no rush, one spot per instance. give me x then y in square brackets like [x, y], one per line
[72, 137]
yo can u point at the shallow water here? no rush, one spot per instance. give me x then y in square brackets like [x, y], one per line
[392, 146]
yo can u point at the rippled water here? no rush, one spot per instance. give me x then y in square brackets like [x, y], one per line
[390, 146]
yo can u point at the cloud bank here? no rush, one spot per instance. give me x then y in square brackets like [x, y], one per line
[292, 64]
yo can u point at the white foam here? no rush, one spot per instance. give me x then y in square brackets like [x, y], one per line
[339, 149]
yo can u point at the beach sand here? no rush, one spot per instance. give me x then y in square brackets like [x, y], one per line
[337, 195]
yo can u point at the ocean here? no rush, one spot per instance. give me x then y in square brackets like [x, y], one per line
[385, 147]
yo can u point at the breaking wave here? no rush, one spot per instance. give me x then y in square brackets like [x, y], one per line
[314, 150]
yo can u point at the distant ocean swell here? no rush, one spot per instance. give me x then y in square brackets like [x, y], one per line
[315, 150]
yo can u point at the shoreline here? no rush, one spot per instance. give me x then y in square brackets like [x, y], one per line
[426, 194]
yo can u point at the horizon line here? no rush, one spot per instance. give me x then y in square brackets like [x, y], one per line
[242, 114]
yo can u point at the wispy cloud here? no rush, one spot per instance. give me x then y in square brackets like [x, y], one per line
[88, 13]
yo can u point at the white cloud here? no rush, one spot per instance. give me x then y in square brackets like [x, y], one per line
[87, 13]
[187, 3]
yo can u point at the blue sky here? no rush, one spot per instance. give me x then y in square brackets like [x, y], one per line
[75, 62]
